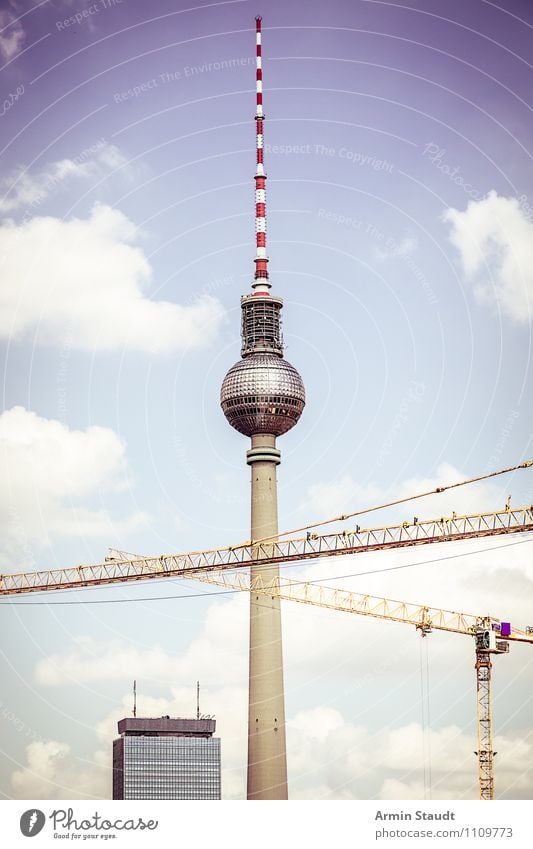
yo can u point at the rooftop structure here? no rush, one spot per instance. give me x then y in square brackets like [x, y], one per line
[167, 726]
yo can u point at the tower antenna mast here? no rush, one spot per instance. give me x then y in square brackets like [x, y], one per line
[261, 283]
[134, 698]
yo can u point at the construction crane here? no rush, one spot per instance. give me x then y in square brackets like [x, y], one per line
[486, 630]
[311, 546]
[225, 567]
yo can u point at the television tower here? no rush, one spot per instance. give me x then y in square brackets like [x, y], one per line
[262, 397]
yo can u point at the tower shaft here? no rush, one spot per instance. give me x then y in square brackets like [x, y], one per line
[267, 759]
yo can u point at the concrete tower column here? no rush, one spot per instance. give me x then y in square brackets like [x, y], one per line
[267, 761]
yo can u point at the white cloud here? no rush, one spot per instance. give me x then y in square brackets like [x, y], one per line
[217, 655]
[404, 248]
[22, 188]
[352, 762]
[12, 38]
[330, 498]
[349, 761]
[453, 765]
[408, 245]
[52, 771]
[495, 240]
[46, 471]
[329, 757]
[81, 282]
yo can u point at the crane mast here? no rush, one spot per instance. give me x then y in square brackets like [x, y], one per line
[485, 753]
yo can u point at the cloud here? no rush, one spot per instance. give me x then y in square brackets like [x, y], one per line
[494, 238]
[331, 498]
[408, 245]
[332, 758]
[349, 761]
[403, 248]
[81, 282]
[47, 471]
[13, 35]
[329, 757]
[344, 494]
[52, 771]
[453, 767]
[21, 188]
[217, 655]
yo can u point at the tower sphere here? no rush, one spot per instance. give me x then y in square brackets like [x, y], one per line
[262, 393]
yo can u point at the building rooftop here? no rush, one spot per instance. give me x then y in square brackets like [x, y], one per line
[165, 726]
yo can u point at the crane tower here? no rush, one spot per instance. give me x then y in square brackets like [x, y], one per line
[263, 397]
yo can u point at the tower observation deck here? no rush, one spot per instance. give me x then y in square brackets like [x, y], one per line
[263, 397]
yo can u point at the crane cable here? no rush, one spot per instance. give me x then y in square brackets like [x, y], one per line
[422, 715]
[525, 465]
[426, 716]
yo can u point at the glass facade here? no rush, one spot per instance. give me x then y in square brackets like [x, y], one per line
[168, 767]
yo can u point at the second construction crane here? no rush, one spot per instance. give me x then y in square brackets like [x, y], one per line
[491, 636]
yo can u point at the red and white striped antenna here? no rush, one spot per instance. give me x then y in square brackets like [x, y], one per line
[261, 283]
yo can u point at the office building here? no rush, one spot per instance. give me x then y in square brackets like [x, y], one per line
[166, 759]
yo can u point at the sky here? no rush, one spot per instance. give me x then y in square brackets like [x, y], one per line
[400, 236]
